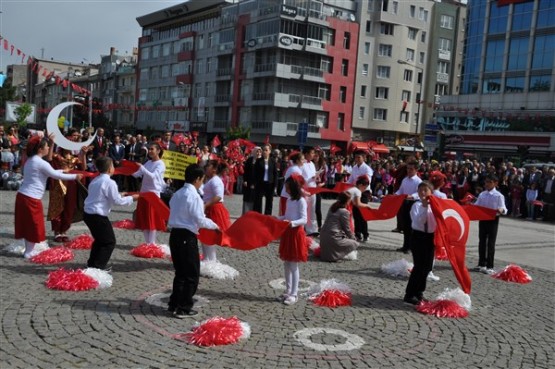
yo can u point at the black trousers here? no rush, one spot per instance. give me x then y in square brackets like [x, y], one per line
[104, 240]
[405, 223]
[318, 210]
[264, 190]
[186, 262]
[361, 225]
[487, 233]
[423, 258]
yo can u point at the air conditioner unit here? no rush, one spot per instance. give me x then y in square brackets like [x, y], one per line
[379, 140]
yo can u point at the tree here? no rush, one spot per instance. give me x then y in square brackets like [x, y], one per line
[7, 93]
[238, 132]
[22, 112]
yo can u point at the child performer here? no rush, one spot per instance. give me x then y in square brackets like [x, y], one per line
[422, 240]
[186, 217]
[296, 160]
[103, 194]
[29, 222]
[487, 229]
[292, 246]
[214, 202]
[153, 181]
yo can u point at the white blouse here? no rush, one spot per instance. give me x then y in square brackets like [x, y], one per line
[36, 172]
[296, 212]
[153, 176]
[214, 187]
[290, 171]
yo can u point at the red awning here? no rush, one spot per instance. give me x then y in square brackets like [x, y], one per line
[358, 145]
[366, 145]
[380, 148]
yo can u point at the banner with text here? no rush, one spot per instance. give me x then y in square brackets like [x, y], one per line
[176, 163]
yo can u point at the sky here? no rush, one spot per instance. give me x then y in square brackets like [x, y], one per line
[72, 30]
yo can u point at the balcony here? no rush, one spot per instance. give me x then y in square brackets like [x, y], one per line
[224, 73]
[218, 125]
[218, 99]
[285, 100]
[444, 55]
[264, 69]
[289, 71]
[442, 77]
[315, 46]
[311, 102]
[261, 126]
[313, 74]
[289, 129]
[290, 42]
[186, 55]
[265, 97]
[187, 79]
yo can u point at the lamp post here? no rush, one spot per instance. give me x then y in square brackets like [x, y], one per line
[419, 102]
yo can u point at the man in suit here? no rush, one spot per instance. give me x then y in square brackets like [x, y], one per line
[117, 153]
[133, 152]
[100, 144]
[167, 143]
[548, 195]
[265, 176]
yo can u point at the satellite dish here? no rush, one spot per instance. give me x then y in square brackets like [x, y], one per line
[352, 17]
[118, 62]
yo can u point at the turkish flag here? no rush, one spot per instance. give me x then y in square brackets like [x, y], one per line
[127, 168]
[339, 187]
[251, 231]
[178, 138]
[334, 149]
[216, 141]
[477, 212]
[452, 233]
[389, 208]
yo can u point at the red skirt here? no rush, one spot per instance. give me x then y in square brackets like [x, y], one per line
[146, 217]
[219, 215]
[293, 245]
[282, 205]
[29, 219]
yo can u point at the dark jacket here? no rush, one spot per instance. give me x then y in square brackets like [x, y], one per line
[259, 171]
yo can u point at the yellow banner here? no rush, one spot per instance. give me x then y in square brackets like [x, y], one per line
[176, 163]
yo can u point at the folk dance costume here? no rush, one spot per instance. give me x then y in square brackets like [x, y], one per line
[103, 194]
[284, 196]
[146, 217]
[29, 222]
[216, 212]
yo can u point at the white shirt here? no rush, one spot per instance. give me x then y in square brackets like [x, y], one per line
[103, 194]
[290, 171]
[309, 174]
[355, 192]
[153, 176]
[36, 172]
[421, 215]
[214, 187]
[296, 212]
[187, 210]
[361, 170]
[492, 199]
[409, 185]
[436, 193]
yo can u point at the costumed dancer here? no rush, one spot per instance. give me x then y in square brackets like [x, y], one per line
[214, 202]
[336, 237]
[153, 181]
[296, 160]
[29, 222]
[422, 242]
[186, 217]
[103, 194]
[292, 246]
[65, 203]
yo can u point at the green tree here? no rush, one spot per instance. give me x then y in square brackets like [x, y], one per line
[7, 93]
[22, 112]
[238, 132]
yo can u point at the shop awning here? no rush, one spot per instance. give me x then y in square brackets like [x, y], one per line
[368, 145]
[379, 148]
[409, 148]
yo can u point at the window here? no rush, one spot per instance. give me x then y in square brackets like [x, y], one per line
[409, 55]
[166, 49]
[165, 71]
[385, 5]
[361, 112]
[404, 117]
[405, 96]
[383, 71]
[544, 51]
[363, 90]
[446, 21]
[382, 93]
[518, 53]
[364, 69]
[385, 50]
[367, 48]
[347, 40]
[423, 37]
[344, 67]
[387, 29]
[208, 65]
[155, 51]
[423, 14]
[368, 26]
[395, 7]
[421, 57]
[494, 56]
[407, 76]
[514, 84]
[343, 94]
[540, 83]
[380, 114]
[324, 92]
[440, 91]
[144, 74]
[491, 86]
[145, 53]
[412, 11]
[341, 121]
[444, 44]
[442, 67]
[412, 33]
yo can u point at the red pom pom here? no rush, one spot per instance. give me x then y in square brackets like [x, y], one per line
[513, 273]
[215, 332]
[333, 298]
[201, 257]
[70, 280]
[440, 253]
[316, 252]
[54, 255]
[442, 309]
[83, 242]
[124, 224]
[148, 251]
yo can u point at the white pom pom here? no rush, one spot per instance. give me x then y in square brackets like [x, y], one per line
[398, 268]
[103, 278]
[17, 247]
[246, 330]
[215, 269]
[457, 295]
[328, 284]
[39, 247]
[5, 176]
[353, 255]
[313, 245]
[166, 249]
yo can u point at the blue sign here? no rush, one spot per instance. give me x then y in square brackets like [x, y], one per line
[302, 133]
[430, 138]
[432, 127]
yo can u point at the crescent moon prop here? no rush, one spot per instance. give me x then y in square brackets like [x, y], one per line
[451, 213]
[59, 138]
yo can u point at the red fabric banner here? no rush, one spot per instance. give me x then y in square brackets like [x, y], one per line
[127, 168]
[251, 231]
[477, 212]
[452, 233]
[339, 187]
[389, 208]
[216, 141]
[156, 202]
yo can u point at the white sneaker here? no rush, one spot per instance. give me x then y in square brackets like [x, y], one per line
[489, 271]
[290, 300]
[433, 277]
[282, 297]
[480, 269]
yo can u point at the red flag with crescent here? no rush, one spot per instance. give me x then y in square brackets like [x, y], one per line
[452, 233]
[388, 209]
[477, 212]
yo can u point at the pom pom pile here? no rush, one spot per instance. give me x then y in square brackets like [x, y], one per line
[330, 293]
[151, 250]
[78, 279]
[353, 255]
[442, 309]
[124, 224]
[398, 268]
[217, 331]
[513, 273]
[54, 255]
[313, 246]
[83, 242]
[457, 295]
[216, 270]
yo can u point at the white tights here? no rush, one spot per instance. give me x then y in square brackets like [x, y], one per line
[29, 247]
[209, 252]
[150, 236]
[292, 276]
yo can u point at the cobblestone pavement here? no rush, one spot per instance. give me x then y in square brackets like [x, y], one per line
[126, 326]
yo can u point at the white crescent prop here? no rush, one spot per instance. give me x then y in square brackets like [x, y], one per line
[59, 138]
[454, 214]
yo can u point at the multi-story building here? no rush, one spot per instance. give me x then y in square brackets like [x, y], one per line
[506, 106]
[260, 64]
[17, 75]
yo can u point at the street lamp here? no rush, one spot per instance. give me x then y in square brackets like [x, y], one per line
[419, 102]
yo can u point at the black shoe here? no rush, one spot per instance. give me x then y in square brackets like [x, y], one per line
[181, 314]
[171, 309]
[403, 250]
[365, 239]
[315, 234]
[411, 300]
